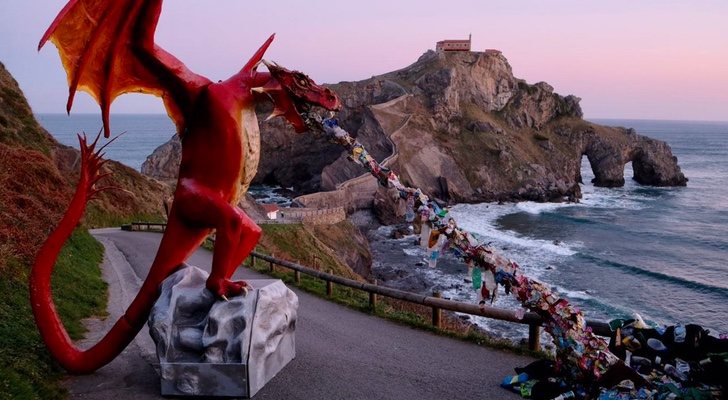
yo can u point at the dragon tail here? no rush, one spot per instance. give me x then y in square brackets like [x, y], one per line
[47, 319]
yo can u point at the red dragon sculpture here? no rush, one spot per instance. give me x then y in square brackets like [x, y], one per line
[107, 48]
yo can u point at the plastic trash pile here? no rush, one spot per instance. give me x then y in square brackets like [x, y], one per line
[667, 362]
[680, 361]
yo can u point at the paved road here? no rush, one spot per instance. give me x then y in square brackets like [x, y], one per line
[341, 353]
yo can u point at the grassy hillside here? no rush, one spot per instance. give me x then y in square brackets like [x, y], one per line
[300, 243]
[18, 126]
[37, 180]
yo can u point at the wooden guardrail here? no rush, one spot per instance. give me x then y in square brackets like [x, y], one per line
[533, 320]
[145, 226]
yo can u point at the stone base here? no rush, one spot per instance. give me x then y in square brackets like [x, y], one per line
[206, 358]
[203, 379]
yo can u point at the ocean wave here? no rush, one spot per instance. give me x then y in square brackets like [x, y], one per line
[595, 308]
[575, 294]
[534, 208]
[454, 288]
[481, 223]
[612, 201]
[266, 194]
[684, 282]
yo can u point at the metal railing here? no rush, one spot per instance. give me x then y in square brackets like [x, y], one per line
[435, 302]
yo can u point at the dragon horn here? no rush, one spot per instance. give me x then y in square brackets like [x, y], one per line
[258, 56]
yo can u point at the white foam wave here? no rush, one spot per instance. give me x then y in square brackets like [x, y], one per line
[413, 251]
[270, 195]
[574, 294]
[485, 228]
[611, 198]
[538, 208]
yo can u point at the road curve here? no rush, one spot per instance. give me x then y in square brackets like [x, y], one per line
[340, 353]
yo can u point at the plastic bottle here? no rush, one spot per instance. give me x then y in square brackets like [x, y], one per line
[656, 345]
[563, 396]
[679, 333]
[682, 367]
[673, 372]
[638, 361]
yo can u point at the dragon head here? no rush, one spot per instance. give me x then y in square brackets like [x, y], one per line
[294, 94]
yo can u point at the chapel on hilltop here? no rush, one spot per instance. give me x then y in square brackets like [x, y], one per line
[454, 45]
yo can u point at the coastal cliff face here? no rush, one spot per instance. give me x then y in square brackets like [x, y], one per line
[461, 127]
[38, 177]
[288, 159]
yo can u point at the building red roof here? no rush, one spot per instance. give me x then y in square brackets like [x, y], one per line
[270, 208]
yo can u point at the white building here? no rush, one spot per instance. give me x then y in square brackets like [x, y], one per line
[271, 211]
[454, 45]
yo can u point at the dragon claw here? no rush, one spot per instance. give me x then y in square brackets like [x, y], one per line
[225, 288]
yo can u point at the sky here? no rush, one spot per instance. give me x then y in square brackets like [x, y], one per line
[650, 59]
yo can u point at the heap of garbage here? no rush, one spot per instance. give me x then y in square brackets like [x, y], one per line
[671, 362]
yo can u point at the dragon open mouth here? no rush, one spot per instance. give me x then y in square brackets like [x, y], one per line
[294, 94]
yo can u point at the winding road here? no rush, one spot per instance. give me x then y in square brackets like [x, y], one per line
[340, 353]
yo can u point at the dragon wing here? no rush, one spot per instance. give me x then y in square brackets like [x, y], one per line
[107, 48]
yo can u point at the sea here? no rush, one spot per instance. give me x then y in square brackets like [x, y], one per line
[661, 253]
[140, 133]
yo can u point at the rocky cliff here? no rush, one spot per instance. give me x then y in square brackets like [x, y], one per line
[460, 126]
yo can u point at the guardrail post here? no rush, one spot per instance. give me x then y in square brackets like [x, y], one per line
[437, 312]
[534, 337]
[297, 276]
[252, 261]
[373, 298]
[329, 287]
[270, 265]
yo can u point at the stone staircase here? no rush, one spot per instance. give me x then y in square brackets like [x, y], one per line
[358, 193]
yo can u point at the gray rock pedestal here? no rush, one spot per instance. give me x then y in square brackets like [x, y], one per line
[208, 347]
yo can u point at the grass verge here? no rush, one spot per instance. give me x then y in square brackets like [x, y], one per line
[297, 243]
[26, 368]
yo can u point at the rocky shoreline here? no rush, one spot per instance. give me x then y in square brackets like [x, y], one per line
[397, 262]
[397, 259]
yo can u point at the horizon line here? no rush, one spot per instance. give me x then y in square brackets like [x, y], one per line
[584, 118]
